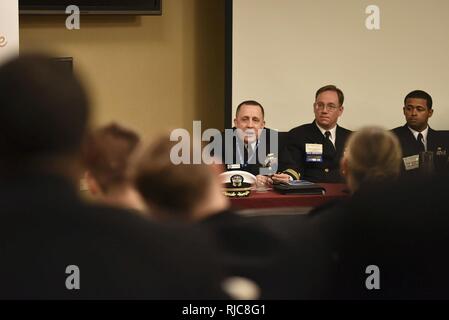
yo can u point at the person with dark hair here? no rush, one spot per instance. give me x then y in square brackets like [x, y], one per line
[251, 103]
[416, 136]
[109, 154]
[314, 150]
[53, 245]
[251, 142]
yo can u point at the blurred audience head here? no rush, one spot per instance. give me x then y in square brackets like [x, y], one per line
[183, 191]
[43, 115]
[109, 156]
[372, 155]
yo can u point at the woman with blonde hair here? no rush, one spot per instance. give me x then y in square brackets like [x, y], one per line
[372, 155]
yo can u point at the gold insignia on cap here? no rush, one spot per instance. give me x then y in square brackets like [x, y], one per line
[237, 180]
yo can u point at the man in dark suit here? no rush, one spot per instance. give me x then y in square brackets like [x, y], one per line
[247, 146]
[416, 136]
[54, 246]
[314, 150]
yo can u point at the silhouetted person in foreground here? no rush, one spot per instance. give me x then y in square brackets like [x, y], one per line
[246, 246]
[52, 245]
[389, 240]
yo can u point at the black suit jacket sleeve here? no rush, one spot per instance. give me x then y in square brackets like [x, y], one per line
[291, 160]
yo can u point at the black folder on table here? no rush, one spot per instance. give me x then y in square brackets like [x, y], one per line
[299, 187]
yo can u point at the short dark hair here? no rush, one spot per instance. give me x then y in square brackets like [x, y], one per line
[341, 96]
[175, 189]
[108, 152]
[43, 110]
[250, 103]
[419, 94]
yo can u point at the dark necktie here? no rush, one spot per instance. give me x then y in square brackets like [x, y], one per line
[422, 147]
[327, 134]
[248, 153]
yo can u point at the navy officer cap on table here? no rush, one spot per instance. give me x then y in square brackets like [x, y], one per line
[237, 183]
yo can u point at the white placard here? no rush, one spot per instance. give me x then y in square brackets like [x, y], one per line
[9, 29]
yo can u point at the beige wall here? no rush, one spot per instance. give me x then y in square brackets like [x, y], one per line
[284, 50]
[9, 29]
[149, 73]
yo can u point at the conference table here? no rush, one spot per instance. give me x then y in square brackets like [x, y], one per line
[271, 202]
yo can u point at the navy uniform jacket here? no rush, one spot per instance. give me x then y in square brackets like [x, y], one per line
[294, 159]
[257, 161]
[410, 146]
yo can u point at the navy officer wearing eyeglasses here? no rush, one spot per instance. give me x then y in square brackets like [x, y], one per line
[314, 150]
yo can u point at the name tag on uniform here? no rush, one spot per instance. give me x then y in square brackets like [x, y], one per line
[314, 152]
[411, 162]
[234, 166]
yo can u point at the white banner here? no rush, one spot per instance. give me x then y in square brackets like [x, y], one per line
[9, 29]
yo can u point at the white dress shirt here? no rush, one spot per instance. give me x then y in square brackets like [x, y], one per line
[333, 132]
[424, 135]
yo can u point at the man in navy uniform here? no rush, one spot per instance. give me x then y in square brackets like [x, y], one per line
[251, 141]
[416, 136]
[314, 150]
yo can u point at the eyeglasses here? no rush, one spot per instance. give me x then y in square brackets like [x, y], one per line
[320, 106]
